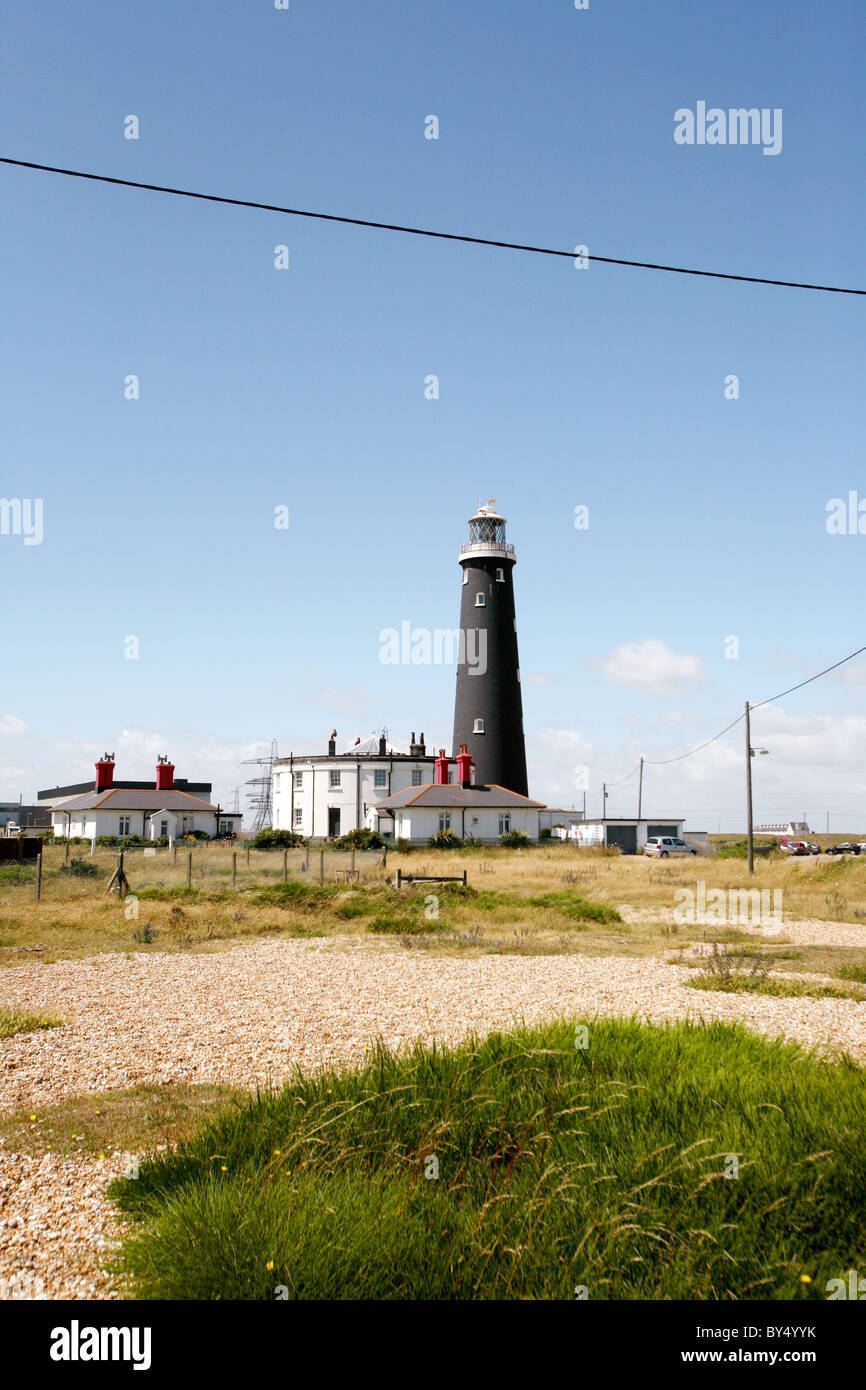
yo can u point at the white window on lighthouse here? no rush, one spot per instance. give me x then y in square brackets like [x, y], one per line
[480, 601]
[465, 576]
[500, 576]
[478, 726]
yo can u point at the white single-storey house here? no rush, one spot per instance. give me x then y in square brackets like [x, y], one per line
[151, 810]
[480, 813]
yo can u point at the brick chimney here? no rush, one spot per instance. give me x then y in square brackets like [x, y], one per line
[464, 765]
[164, 773]
[104, 773]
[383, 751]
[332, 744]
[442, 769]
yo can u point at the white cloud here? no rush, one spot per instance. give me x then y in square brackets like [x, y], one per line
[539, 678]
[11, 724]
[651, 666]
[672, 718]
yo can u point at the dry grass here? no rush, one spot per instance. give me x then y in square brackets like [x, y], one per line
[76, 918]
[140, 1120]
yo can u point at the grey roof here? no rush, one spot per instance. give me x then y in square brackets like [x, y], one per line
[133, 799]
[453, 794]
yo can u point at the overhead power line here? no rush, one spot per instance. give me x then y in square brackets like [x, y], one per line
[425, 231]
[827, 669]
[654, 762]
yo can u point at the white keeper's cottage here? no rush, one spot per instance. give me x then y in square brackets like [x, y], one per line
[153, 810]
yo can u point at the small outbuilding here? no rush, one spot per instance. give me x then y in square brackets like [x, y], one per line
[627, 835]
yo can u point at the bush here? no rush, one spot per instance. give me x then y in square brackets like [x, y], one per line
[514, 839]
[80, 868]
[277, 839]
[545, 833]
[739, 849]
[360, 839]
[445, 839]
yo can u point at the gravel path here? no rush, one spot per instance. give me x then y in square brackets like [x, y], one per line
[254, 1012]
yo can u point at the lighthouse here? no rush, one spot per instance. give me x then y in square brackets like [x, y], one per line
[488, 709]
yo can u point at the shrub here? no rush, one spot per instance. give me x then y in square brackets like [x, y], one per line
[360, 839]
[545, 833]
[445, 839]
[80, 868]
[514, 839]
[277, 839]
[575, 906]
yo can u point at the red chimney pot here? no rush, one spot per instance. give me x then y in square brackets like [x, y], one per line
[104, 773]
[442, 769]
[164, 775]
[464, 766]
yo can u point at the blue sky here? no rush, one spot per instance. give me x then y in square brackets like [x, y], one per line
[557, 387]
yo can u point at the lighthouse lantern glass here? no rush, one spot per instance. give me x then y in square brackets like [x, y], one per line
[486, 530]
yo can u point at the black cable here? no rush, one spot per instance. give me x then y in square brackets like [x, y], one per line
[836, 664]
[661, 762]
[422, 231]
[811, 678]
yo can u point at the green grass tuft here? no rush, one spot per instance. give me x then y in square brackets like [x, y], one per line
[558, 1166]
[12, 1022]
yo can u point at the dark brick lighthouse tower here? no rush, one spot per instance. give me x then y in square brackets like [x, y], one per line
[488, 710]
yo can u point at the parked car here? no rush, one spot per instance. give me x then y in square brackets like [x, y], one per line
[661, 846]
[794, 847]
[844, 847]
[813, 848]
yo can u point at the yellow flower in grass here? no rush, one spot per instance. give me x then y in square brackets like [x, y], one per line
[269, 1265]
[276, 1151]
[223, 1168]
[805, 1279]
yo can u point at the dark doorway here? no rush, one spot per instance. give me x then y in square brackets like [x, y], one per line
[624, 836]
[662, 830]
[333, 821]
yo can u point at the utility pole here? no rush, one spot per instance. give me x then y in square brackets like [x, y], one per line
[604, 800]
[640, 790]
[749, 836]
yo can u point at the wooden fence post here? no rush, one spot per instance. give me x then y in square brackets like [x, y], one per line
[189, 869]
[353, 861]
[248, 854]
[174, 853]
[399, 875]
[234, 868]
[285, 866]
[464, 878]
[38, 877]
[321, 866]
[308, 857]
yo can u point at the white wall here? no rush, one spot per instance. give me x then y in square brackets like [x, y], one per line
[90, 823]
[418, 823]
[357, 791]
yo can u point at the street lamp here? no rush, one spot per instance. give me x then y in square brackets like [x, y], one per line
[750, 753]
